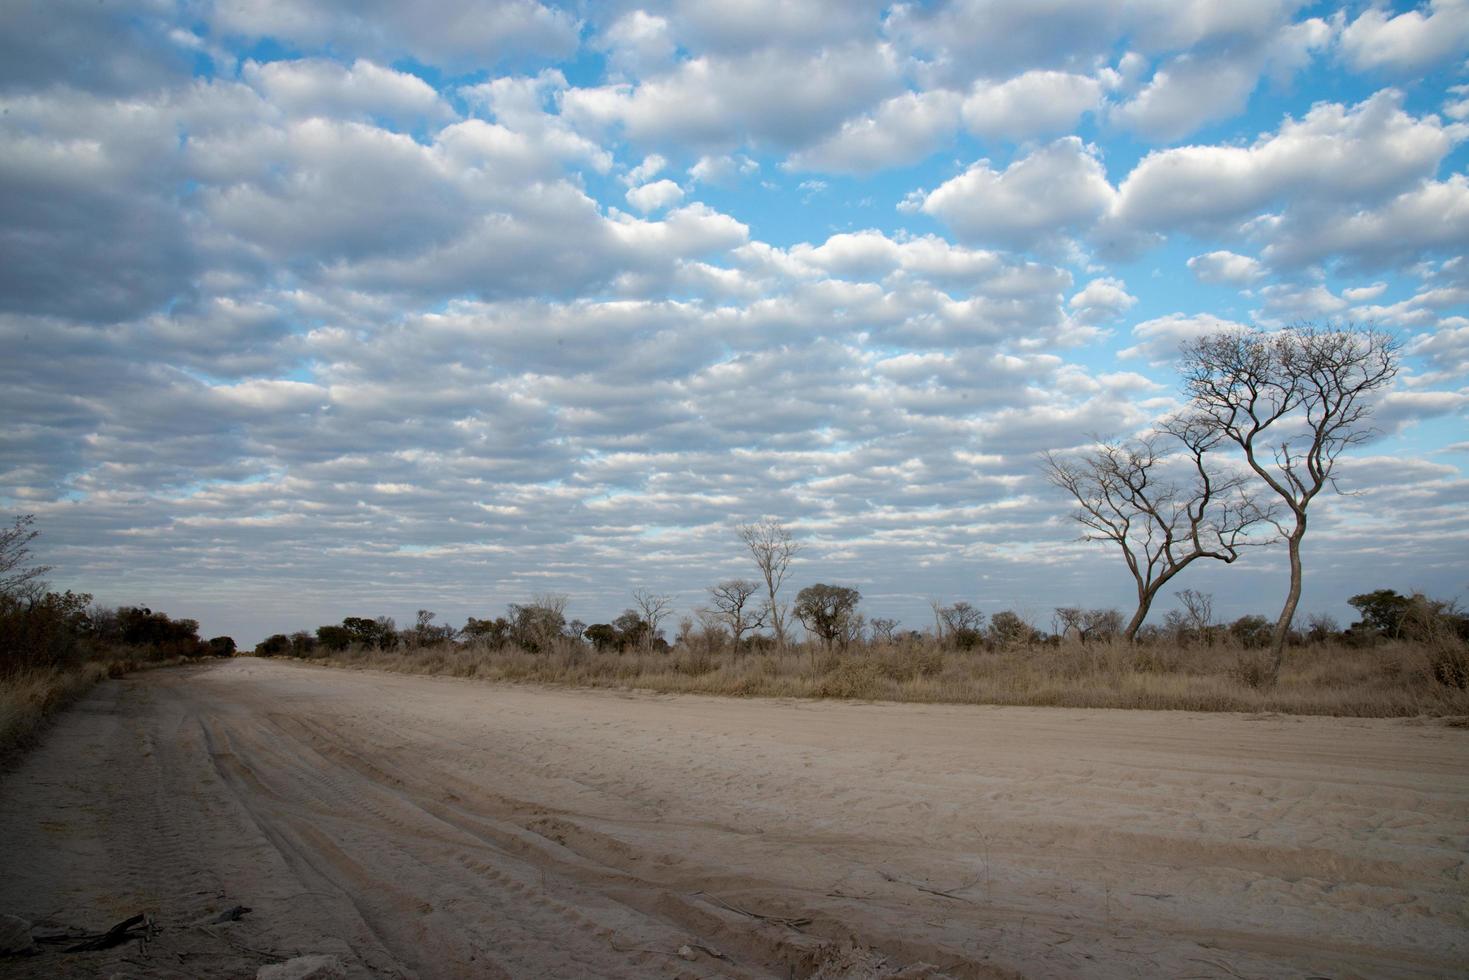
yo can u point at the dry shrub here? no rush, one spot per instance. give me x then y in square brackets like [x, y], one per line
[1449, 665]
[695, 663]
[858, 679]
[1251, 669]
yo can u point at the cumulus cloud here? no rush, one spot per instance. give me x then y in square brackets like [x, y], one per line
[1060, 188]
[1334, 154]
[654, 196]
[1158, 340]
[639, 42]
[1196, 88]
[1030, 105]
[313, 87]
[902, 130]
[1433, 217]
[766, 96]
[722, 168]
[1412, 41]
[1224, 267]
[1101, 300]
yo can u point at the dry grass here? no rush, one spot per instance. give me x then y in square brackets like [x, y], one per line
[29, 699]
[1391, 680]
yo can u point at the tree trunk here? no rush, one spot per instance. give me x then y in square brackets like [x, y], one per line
[778, 621]
[1292, 599]
[1144, 603]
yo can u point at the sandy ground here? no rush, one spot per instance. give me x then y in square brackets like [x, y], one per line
[427, 827]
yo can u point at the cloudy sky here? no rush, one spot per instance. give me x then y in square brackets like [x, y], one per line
[313, 309]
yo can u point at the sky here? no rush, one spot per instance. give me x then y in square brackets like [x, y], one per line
[313, 309]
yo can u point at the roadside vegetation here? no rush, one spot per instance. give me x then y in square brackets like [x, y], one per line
[55, 645]
[1407, 656]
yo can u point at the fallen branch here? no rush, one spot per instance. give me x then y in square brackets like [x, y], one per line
[121, 933]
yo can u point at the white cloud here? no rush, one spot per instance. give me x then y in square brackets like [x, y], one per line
[1195, 88]
[1457, 107]
[651, 167]
[1033, 104]
[317, 87]
[902, 130]
[1334, 154]
[767, 96]
[1433, 217]
[1226, 268]
[1410, 41]
[1159, 339]
[1361, 294]
[1101, 300]
[1058, 189]
[751, 24]
[722, 169]
[1293, 302]
[639, 42]
[655, 196]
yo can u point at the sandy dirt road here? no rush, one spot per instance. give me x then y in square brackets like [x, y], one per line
[427, 827]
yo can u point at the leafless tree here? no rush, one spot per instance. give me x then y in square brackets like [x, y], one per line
[736, 608]
[1198, 609]
[1162, 525]
[1088, 623]
[16, 570]
[883, 630]
[773, 548]
[1293, 401]
[653, 607]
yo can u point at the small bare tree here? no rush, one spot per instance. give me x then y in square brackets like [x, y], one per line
[735, 607]
[1293, 401]
[1198, 609]
[773, 548]
[1161, 525]
[1086, 624]
[653, 607]
[883, 629]
[16, 571]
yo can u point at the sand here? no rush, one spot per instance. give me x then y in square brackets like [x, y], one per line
[430, 827]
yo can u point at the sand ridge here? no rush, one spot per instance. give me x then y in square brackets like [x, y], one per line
[428, 827]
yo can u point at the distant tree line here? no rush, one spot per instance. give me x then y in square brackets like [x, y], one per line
[45, 630]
